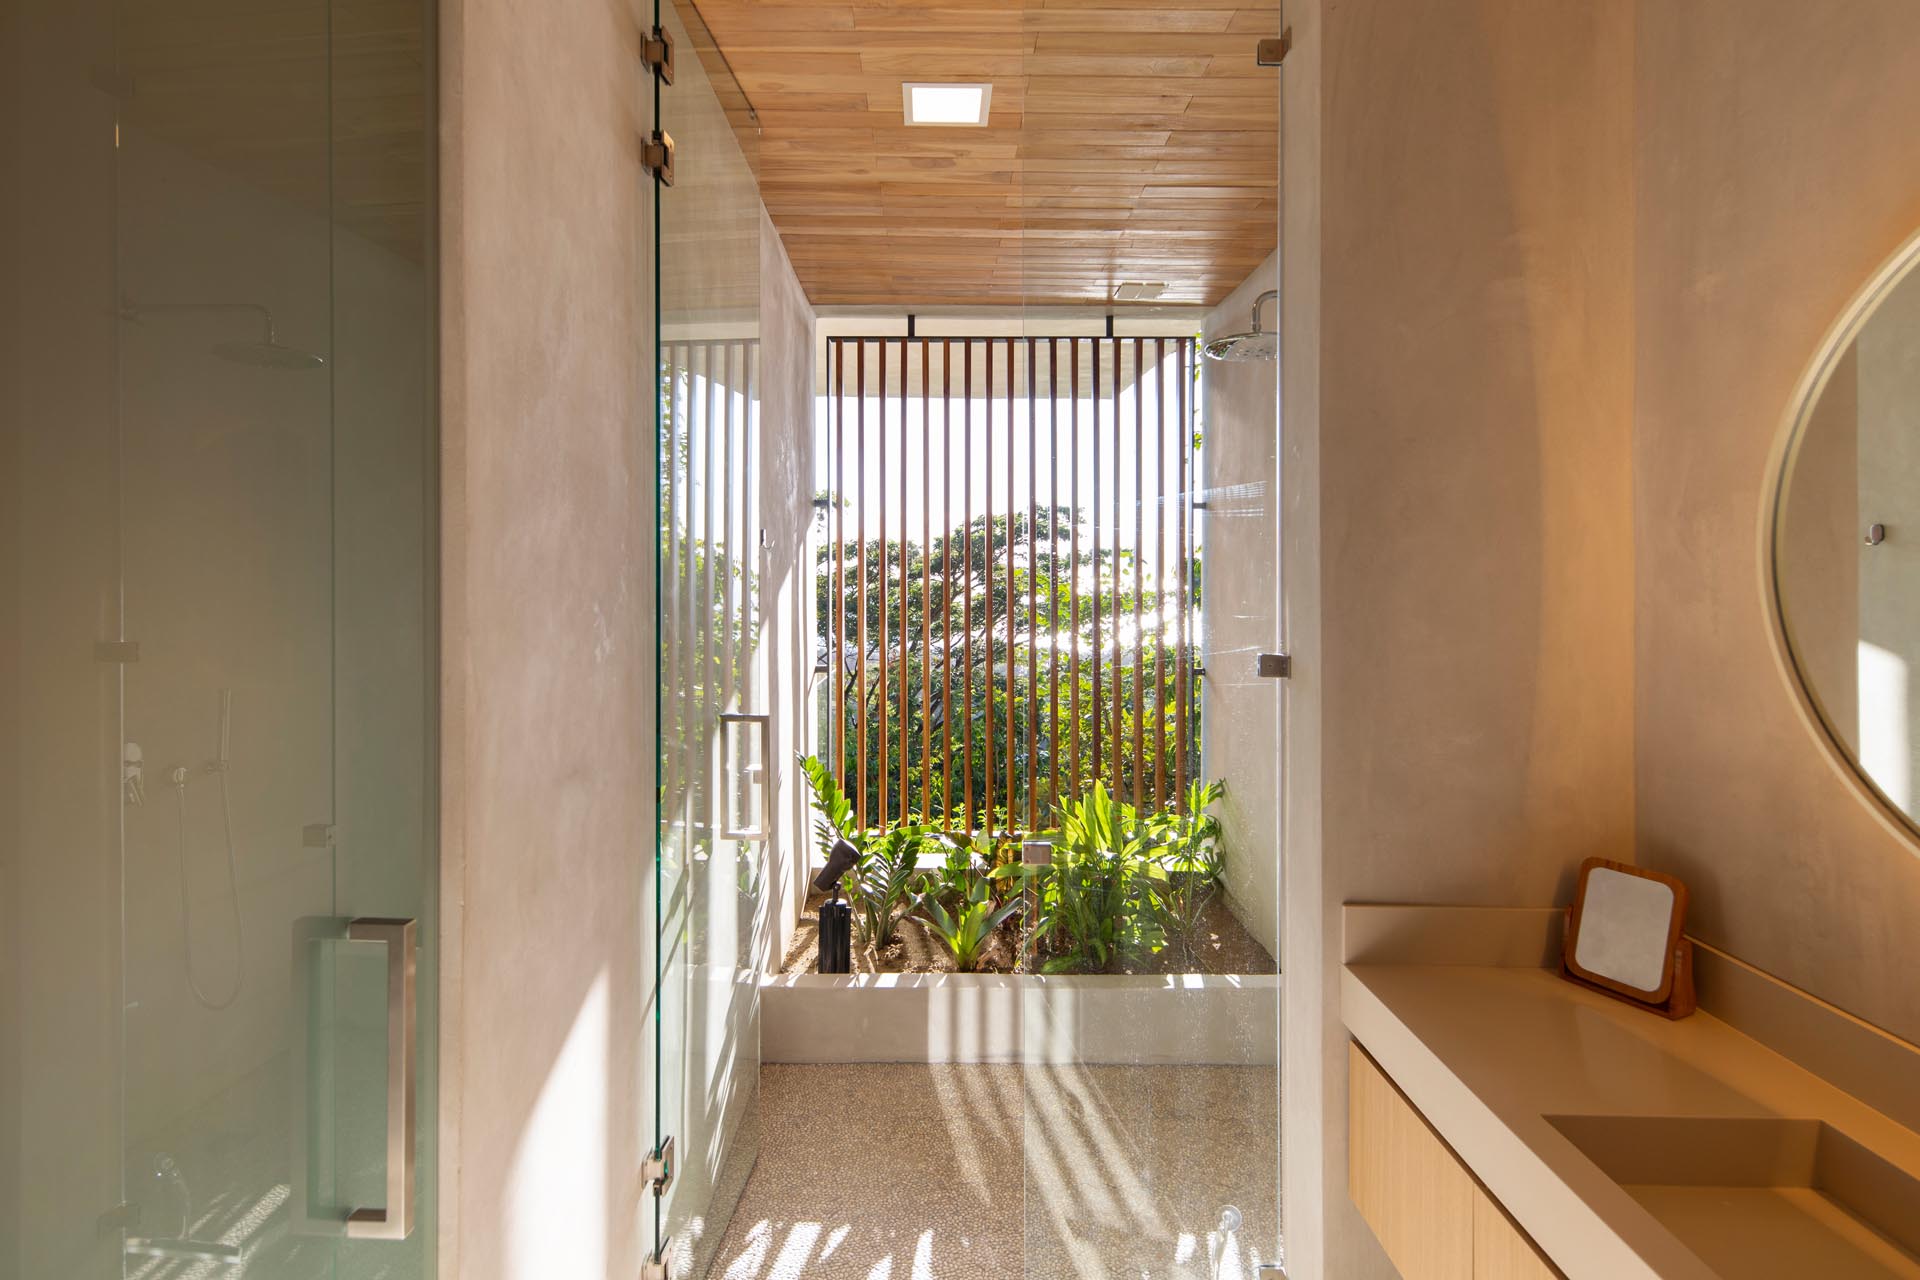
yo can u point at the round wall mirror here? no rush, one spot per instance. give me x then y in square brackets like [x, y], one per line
[1845, 547]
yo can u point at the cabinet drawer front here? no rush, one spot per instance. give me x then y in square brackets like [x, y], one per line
[1415, 1196]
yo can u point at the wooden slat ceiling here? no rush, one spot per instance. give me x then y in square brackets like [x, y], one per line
[1129, 140]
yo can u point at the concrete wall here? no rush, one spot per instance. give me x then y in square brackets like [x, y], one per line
[1239, 618]
[786, 487]
[548, 651]
[1457, 199]
[1773, 178]
[1819, 562]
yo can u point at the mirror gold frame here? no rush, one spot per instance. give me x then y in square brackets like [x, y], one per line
[1812, 384]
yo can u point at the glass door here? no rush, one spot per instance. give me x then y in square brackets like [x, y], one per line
[219, 457]
[1151, 1028]
[712, 721]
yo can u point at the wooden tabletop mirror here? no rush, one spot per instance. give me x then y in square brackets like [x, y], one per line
[1624, 938]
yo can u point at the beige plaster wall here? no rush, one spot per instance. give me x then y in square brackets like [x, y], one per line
[1239, 619]
[1460, 588]
[1819, 564]
[1776, 169]
[547, 463]
[786, 489]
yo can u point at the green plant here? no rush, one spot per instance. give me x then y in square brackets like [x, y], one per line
[1187, 849]
[948, 883]
[1098, 901]
[885, 882]
[833, 812]
[965, 931]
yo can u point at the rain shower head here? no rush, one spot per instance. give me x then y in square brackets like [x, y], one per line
[267, 353]
[1253, 345]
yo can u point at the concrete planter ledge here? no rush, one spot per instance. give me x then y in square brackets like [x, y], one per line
[1174, 1019]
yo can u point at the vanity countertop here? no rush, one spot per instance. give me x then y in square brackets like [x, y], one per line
[1488, 1053]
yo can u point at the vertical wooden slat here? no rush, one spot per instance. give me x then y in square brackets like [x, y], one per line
[946, 584]
[880, 647]
[1119, 684]
[1139, 558]
[836, 654]
[1097, 713]
[987, 601]
[1033, 590]
[1012, 599]
[726, 549]
[926, 586]
[1073, 579]
[1053, 576]
[905, 712]
[1160, 513]
[860, 655]
[966, 596]
[1183, 657]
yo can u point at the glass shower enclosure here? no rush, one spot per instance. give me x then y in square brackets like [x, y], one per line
[710, 899]
[217, 592]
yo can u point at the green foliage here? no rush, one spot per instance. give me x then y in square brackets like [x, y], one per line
[833, 813]
[1187, 848]
[884, 883]
[1004, 663]
[949, 883]
[965, 931]
[1099, 901]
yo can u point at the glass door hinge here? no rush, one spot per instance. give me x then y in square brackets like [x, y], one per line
[1274, 666]
[656, 157]
[317, 835]
[658, 53]
[658, 1266]
[657, 1169]
[119, 651]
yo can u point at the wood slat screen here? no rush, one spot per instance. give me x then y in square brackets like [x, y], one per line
[1008, 576]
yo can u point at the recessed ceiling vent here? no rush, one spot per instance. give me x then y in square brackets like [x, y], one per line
[1139, 290]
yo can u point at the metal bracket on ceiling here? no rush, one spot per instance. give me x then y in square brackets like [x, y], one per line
[1109, 324]
[1273, 51]
[657, 51]
[910, 319]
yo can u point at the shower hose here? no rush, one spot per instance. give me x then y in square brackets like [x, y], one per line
[233, 895]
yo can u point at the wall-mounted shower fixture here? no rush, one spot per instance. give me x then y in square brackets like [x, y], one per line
[133, 773]
[269, 352]
[1255, 344]
[181, 777]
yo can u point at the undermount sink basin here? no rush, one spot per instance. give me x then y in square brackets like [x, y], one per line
[1762, 1197]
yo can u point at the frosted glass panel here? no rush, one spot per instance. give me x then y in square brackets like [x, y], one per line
[217, 458]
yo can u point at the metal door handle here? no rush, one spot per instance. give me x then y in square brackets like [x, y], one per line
[734, 825]
[314, 1154]
[395, 1221]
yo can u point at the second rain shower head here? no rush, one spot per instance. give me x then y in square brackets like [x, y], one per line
[268, 352]
[1255, 344]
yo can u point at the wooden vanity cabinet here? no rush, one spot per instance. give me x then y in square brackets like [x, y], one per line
[1428, 1212]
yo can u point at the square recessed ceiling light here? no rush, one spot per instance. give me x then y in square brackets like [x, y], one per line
[964, 104]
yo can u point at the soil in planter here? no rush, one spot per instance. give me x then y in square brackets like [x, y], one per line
[1222, 945]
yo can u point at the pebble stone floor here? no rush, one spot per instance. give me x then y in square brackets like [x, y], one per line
[972, 1172]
